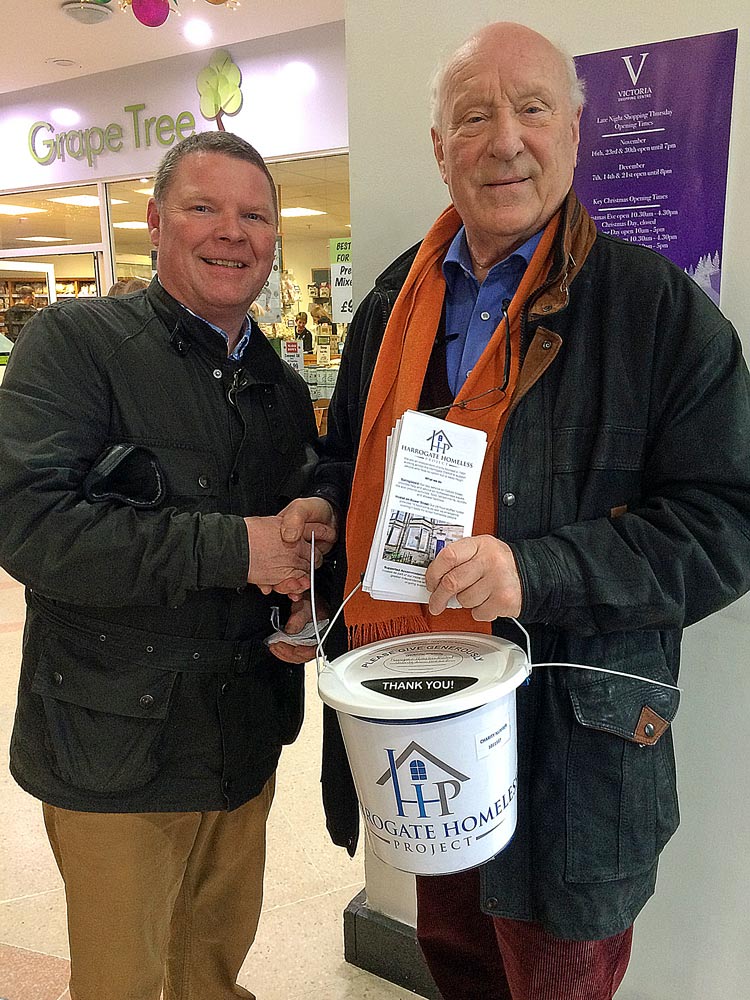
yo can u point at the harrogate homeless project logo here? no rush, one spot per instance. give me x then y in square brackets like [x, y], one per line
[439, 442]
[414, 775]
[432, 809]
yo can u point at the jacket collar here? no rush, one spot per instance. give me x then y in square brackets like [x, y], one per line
[187, 332]
[183, 327]
[574, 240]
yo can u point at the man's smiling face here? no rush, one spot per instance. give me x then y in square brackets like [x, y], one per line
[215, 232]
[508, 138]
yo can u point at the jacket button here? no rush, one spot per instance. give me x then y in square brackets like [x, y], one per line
[57, 678]
[225, 687]
[648, 729]
[491, 903]
[146, 701]
[546, 344]
[204, 482]
[234, 477]
[217, 372]
[509, 499]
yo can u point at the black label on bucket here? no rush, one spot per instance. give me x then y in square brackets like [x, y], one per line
[419, 688]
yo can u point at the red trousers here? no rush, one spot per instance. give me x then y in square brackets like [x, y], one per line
[473, 956]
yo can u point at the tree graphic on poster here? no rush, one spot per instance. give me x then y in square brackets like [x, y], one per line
[219, 88]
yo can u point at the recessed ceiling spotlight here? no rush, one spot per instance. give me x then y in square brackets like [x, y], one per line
[86, 11]
[63, 63]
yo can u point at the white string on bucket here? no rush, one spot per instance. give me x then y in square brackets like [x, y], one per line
[320, 655]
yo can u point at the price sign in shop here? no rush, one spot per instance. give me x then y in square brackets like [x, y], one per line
[341, 280]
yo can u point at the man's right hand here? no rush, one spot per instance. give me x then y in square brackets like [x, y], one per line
[306, 515]
[273, 559]
[299, 520]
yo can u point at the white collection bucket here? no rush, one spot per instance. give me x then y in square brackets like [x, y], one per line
[429, 725]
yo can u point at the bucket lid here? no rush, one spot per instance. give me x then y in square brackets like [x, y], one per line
[422, 676]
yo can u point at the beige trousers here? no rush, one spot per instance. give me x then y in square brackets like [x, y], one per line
[160, 900]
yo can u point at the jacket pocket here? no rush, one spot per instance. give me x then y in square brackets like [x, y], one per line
[621, 801]
[283, 684]
[105, 716]
[290, 695]
[594, 470]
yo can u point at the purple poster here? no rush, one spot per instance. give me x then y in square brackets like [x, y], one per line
[652, 164]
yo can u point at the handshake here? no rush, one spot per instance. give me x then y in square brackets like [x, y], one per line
[280, 546]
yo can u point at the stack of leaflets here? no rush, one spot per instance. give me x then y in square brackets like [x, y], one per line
[431, 479]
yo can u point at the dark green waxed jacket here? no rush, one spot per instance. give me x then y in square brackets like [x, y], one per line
[625, 497]
[130, 450]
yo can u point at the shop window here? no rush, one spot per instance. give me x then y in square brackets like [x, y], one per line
[59, 217]
[128, 201]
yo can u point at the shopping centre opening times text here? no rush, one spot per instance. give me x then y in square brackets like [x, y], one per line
[646, 218]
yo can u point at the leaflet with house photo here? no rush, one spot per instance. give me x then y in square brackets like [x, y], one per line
[429, 496]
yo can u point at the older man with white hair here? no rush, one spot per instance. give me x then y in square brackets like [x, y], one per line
[613, 511]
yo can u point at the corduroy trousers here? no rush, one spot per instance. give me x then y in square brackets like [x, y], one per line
[161, 900]
[473, 956]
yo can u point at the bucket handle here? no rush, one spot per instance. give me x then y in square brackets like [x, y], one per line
[322, 663]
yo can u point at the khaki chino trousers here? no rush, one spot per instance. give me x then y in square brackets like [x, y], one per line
[160, 901]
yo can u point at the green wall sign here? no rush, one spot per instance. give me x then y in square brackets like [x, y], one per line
[47, 145]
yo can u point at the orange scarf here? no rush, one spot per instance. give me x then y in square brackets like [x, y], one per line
[396, 387]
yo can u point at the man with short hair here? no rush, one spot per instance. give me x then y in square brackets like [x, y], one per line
[148, 444]
[19, 314]
[613, 510]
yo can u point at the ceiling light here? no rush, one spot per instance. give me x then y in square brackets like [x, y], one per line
[86, 11]
[84, 200]
[65, 116]
[81, 200]
[63, 63]
[44, 239]
[298, 213]
[147, 191]
[130, 225]
[198, 32]
[6, 209]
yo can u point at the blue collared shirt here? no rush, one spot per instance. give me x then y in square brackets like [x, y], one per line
[242, 343]
[473, 311]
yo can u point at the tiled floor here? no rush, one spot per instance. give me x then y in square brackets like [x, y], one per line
[298, 953]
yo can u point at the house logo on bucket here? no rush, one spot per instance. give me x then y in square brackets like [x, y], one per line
[444, 790]
[428, 816]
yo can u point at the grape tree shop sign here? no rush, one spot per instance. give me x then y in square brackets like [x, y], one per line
[47, 145]
[121, 122]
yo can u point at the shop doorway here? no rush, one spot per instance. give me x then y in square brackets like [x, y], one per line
[30, 283]
[25, 286]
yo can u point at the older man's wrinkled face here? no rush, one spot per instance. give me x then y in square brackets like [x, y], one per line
[508, 139]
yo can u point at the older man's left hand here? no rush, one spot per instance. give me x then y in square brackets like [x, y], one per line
[299, 615]
[481, 573]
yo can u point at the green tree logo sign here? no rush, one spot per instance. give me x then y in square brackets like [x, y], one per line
[219, 88]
